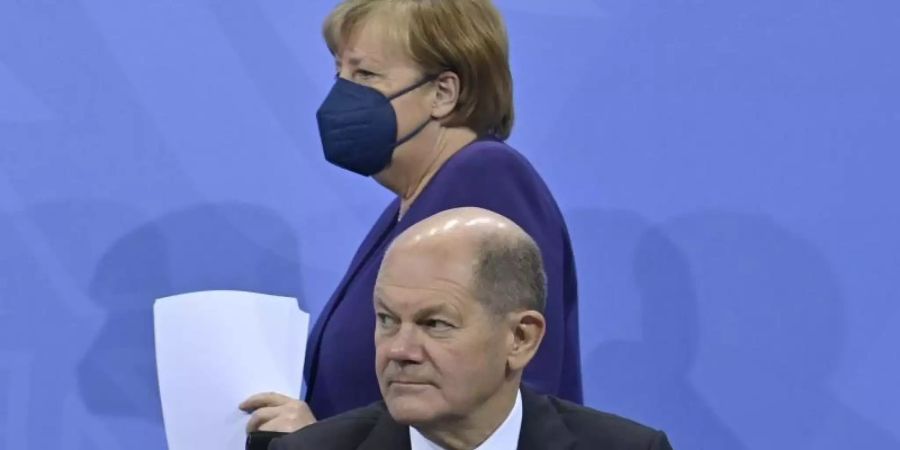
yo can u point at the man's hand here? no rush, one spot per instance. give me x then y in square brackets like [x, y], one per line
[276, 412]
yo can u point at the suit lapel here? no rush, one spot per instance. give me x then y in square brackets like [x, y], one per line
[375, 236]
[386, 434]
[542, 426]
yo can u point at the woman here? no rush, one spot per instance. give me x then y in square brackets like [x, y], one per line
[423, 103]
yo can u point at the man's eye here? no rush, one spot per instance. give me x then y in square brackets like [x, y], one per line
[385, 320]
[438, 324]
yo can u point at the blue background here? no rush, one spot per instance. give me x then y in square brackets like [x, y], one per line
[728, 171]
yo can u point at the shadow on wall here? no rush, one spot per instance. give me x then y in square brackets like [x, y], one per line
[33, 354]
[48, 250]
[214, 246]
[631, 274]
[742, 325]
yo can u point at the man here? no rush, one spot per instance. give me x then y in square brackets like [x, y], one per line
[458, 308]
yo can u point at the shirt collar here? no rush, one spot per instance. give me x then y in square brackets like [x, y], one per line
[505, 437]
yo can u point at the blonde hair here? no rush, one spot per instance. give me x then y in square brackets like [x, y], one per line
[466, 37]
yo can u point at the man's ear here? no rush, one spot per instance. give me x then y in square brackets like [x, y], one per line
[446, 95]
[528, 328]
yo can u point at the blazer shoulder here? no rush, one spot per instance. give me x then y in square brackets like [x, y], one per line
[494, 176]
[343, 431]
[591, 426]
[489, 157]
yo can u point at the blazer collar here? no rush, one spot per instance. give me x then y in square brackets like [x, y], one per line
[382, 227]
[386, 434]
[542, 426]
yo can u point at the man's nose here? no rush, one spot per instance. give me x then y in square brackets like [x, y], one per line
[405, 346]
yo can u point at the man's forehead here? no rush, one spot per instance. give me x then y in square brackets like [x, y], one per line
[420, 279]
[424, 266]
[412, 299]
[432, 271]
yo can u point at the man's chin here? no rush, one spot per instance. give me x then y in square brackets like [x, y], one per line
[410, 410]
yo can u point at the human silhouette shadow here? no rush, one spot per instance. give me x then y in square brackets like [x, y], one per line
[772, 328]
[29, 367]
[742, 325]
[48, 320]
[630, 272]
[211, 246]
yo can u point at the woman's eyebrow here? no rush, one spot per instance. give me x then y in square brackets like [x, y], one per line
[355, 61]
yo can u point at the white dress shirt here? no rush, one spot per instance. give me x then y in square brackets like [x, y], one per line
[505, 437]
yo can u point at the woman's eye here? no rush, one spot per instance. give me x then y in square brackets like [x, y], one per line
[364, 74]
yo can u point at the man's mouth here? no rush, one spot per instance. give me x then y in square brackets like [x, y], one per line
[405, 382]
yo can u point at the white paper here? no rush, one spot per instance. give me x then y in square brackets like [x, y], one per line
[216, 348]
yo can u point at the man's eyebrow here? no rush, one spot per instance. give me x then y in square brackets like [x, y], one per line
[434, 309]
[380, 303]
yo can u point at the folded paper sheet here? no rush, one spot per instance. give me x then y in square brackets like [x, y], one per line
[216, 348]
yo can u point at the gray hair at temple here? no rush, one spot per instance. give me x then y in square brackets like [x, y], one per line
[509, 274]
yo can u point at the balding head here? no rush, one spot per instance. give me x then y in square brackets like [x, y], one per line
[458, 306]
[507, 272]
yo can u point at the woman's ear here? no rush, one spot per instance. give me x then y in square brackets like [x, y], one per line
[446, 95]
[528, 328]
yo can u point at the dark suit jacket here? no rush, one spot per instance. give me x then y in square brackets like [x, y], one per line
[489, 174]
[547, 424]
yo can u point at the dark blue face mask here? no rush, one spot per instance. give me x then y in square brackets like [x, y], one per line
[358, 126]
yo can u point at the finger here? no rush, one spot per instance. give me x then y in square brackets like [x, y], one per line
[257, 401]
[284, 424]
[304, 409]
[260, 417]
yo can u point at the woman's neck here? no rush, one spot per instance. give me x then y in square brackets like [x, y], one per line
[409, 179]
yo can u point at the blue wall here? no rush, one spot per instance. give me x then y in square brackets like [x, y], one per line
[727, 169]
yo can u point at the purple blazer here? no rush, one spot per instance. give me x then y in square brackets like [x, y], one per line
[340, 357]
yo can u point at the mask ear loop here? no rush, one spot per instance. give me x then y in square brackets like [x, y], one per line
[420, 83]
[413, 133]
